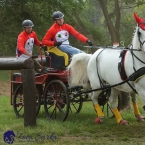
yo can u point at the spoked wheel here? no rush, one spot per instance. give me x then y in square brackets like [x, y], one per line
[76, 104]
[56, 101]
[76, 100]
[18, 102]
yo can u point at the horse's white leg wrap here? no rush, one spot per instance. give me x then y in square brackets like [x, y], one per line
[99, 111]
[117, 115]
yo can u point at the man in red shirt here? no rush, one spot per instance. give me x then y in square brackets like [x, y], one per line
[26, 40]
[58, 35]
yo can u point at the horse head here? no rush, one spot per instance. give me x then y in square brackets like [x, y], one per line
[140, 31]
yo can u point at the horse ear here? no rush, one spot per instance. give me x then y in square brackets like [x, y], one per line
[138, 19]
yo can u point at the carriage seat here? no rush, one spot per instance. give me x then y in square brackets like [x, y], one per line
[18, 76]
[56, 58]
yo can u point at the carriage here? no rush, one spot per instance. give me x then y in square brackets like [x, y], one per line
[52, 89]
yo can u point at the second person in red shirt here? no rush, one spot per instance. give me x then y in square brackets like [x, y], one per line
[58, 35]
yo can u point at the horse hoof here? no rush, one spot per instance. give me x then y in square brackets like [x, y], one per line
[123, 122]
[140, 118]
[98, 121]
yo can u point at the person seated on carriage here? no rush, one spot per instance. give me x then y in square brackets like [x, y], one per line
[26, 39]
[58, 35]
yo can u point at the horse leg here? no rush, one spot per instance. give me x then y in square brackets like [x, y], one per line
[97, 107]
[135, 107]
[112, 100]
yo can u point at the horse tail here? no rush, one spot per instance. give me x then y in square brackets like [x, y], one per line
[78, 70]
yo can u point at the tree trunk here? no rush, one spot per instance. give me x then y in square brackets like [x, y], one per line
[114, 30]
[123, 101]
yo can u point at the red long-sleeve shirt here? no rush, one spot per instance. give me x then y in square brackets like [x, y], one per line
[25, 42]
[61, 33]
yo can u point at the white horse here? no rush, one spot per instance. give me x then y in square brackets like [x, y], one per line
[102, 67]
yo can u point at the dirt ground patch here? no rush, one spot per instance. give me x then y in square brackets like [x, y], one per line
[5, 88]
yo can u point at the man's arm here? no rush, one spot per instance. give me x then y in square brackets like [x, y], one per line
[76, 34]
[36, 40]
[79, 36]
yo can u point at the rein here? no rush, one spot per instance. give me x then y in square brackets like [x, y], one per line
[101, 82]
[131, 78]
[104, 88]
[138, 58]
[110, 47]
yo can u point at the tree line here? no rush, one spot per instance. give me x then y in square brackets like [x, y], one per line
[103, 21]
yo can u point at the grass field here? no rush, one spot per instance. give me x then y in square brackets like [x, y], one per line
[4, 75]
[78, 129]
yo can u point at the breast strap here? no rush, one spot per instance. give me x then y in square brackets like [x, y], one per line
[121, 67]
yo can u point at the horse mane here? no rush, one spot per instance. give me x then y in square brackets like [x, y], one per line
[135, 41]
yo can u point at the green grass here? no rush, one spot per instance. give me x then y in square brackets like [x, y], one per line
[78, 129]
[4, 75]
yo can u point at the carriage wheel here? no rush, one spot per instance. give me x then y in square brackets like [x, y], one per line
[18, 102]
[56, 101]
[76, 104]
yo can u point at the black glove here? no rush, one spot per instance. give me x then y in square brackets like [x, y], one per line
[57, 43]
[34, 56]
[44, 47]
[89, 42]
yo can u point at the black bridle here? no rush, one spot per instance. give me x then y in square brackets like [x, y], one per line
[139, 49]
[139, 34]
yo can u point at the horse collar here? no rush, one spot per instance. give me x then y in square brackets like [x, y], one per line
[121, 67]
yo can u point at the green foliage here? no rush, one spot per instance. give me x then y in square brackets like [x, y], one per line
[128, 24]
[135, 2]
[14, 12]
[127, 28]
[86, 16]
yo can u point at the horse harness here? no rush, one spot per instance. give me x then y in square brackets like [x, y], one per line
[137, 73]
[106, 88]
[138, 33]
[134, 77]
